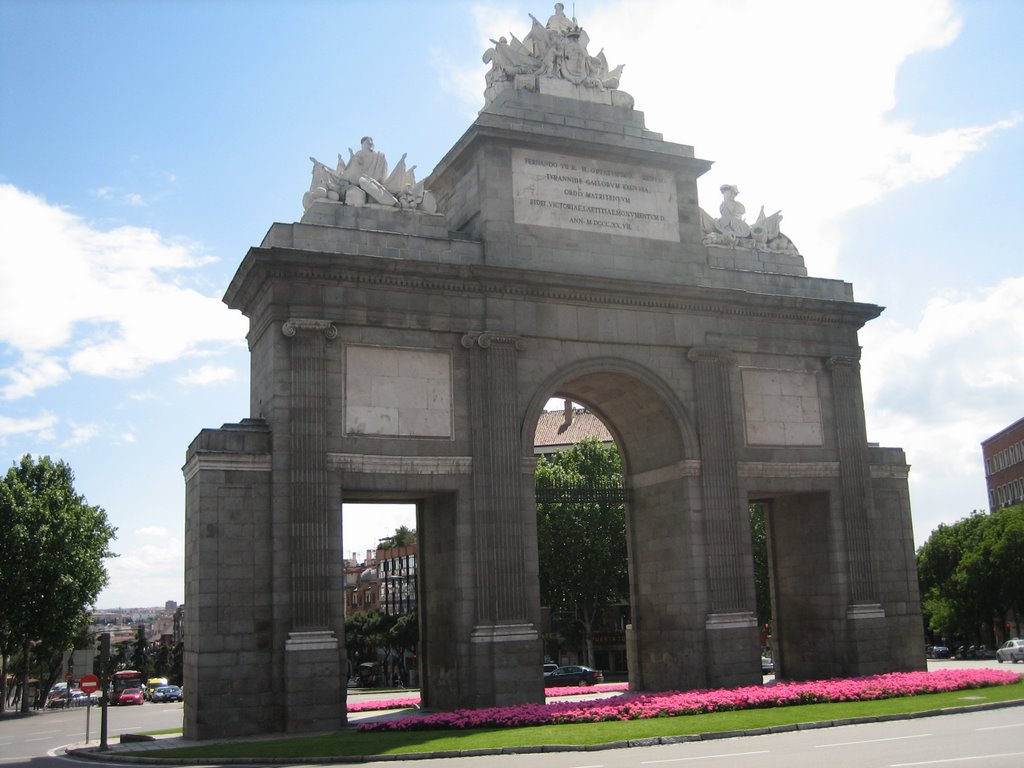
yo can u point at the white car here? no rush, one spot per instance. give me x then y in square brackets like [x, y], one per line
[1011, 650]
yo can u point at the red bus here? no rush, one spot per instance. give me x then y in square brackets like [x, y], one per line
[126, 678]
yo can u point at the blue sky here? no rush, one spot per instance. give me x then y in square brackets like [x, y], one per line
[145, 146]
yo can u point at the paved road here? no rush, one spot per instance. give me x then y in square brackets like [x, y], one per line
[29, 739]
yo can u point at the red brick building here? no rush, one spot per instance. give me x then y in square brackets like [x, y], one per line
[1004, 466]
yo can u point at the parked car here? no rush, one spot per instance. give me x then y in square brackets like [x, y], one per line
[1011, 650]
[79, 698]
[940, 652]
[130, 696]
[166, 693]
[549, 666]
[573, 675]
[767, 665]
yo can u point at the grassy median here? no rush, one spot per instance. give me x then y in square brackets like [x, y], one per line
[352, 743]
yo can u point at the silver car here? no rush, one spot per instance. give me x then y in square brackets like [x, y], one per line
[1011, 650]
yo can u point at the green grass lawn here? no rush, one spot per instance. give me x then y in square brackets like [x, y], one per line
[350, 742]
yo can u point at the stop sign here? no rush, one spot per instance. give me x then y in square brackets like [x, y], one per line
[89, 683]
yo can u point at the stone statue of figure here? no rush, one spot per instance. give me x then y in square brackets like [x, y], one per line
[731, 221]
[731, 230]
[556, 50]
[365, 178]
[367, 169]
[559, 22]
[507, 60]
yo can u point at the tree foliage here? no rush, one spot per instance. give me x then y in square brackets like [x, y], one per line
[759, 545]
[402, 537]
[52, 546]
[971, 574]
[582, 544]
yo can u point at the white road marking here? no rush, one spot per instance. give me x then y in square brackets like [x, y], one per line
[950, 760]
[705, 757]
[870, 741]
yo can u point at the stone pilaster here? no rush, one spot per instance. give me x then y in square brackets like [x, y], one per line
[310, 540]
[499, 547]
[724, 510]
[854, 480]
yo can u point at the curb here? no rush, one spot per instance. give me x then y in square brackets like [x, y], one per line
[93, 753]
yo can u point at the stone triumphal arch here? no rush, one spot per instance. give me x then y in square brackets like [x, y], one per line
[404, 339]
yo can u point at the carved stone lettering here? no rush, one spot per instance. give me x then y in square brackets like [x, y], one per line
[588, 195]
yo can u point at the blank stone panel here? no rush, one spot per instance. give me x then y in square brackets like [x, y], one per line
[398, 392]
[781, 408]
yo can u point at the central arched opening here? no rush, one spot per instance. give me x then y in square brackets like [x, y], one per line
[581, 539]
[662, 632]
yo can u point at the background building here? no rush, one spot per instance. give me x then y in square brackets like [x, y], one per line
[1004, 466]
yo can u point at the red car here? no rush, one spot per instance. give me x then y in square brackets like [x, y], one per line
[130, 696]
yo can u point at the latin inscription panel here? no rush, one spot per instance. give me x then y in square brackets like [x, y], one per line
[552, 190]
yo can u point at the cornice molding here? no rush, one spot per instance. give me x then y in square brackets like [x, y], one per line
[265, 264]
[219, 461]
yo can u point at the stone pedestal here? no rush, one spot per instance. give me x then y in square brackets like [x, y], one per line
[314, 683]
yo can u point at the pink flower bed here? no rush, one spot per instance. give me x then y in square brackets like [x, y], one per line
[565, 690]
[551, 693]
[369, 706]
[673, 704]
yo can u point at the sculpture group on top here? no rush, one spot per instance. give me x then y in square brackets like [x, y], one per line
[556, 51]
[364, 180]
[731, 230]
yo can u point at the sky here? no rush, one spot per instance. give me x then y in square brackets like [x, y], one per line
[145, 145]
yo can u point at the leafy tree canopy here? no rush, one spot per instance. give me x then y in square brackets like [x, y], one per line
[402, 537]
[52, 546]
[971, 572]
[582, 544]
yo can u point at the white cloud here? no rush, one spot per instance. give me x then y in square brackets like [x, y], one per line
[781, 96]
[148, 569]
[106, 303]
[80, 434]
[940, 387]
[363, 525]
[41, 426]
[208, 374]
[34, 372]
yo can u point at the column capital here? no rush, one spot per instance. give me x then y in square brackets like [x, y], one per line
[710, 355]
[843, 361]
[293, 325]
[486, 339]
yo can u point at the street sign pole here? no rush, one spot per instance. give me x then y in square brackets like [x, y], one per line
[104, 687]
[88, 684]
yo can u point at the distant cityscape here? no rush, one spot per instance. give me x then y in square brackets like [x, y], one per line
[161, 623]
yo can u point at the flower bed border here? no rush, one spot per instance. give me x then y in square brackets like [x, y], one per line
[682, 703]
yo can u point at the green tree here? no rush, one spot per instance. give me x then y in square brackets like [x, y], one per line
[759, 542]
[52, 546]
[970, 574]
[141, 660]
[402, 537]
[364, 634]
[582, 544]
